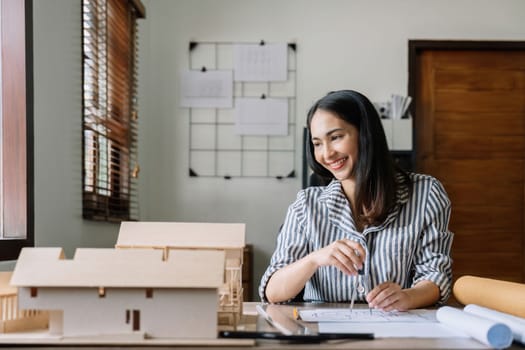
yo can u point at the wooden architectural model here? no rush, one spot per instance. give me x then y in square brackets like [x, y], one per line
[170, 237]
[14, 319]
[139, 292]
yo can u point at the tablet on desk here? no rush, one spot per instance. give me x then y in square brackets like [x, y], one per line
[289, 329]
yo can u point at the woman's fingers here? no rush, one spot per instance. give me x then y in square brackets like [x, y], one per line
[355, 252]
[344, 263]
[350, 255]
[387, 296]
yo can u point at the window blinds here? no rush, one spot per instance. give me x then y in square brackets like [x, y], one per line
[110, 167]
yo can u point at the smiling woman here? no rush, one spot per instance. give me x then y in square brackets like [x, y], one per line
[335, 144]
[374, 230]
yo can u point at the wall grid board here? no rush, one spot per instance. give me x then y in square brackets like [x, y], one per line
[215, 150]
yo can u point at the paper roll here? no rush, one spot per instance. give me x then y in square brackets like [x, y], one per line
[516, 324]
[494, 334]
[507, 297]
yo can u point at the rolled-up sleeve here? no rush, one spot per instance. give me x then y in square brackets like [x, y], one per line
[432, 260]
[291, 242]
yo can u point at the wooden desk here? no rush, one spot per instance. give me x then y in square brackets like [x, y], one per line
[253, 322]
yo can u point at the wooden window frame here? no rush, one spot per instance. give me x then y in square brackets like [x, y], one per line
[17, 193]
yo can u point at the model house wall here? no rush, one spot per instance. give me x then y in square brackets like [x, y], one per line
[112, 292]
[171, 237]
[169, 313]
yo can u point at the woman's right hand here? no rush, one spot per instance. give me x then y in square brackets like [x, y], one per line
[345, 254]
[286, 283]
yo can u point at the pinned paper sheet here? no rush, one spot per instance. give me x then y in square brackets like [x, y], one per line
[207, 89]
[261, 116]
[253, 62]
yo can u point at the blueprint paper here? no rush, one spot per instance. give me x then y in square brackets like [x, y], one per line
[484, 330]
[418, 323]
[516, 324]
[364, 315]
[393, 329]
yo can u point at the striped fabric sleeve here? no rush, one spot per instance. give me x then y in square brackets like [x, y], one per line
[291, 242]
[432, 261]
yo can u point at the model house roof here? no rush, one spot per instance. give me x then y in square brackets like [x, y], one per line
[119, 268]
[181, 235]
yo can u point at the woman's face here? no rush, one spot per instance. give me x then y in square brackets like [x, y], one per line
[335, 143]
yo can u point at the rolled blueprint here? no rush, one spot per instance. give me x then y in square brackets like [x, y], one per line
[516, 324]
[503, 296]
[494, 334]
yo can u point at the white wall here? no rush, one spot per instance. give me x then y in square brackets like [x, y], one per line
[58, 131]
[353, 44]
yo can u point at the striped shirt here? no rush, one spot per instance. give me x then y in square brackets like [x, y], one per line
[411, 245]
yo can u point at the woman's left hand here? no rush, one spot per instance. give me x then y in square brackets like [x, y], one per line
[389, 296]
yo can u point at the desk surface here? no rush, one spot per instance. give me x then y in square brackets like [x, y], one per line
[252, 322]
[379, 343]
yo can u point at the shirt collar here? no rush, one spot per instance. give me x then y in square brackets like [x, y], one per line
[339, 208]
[402, 194]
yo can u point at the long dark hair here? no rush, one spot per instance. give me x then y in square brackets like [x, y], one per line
[375, 170]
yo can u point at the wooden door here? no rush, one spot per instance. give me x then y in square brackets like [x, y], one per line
[469, 128]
